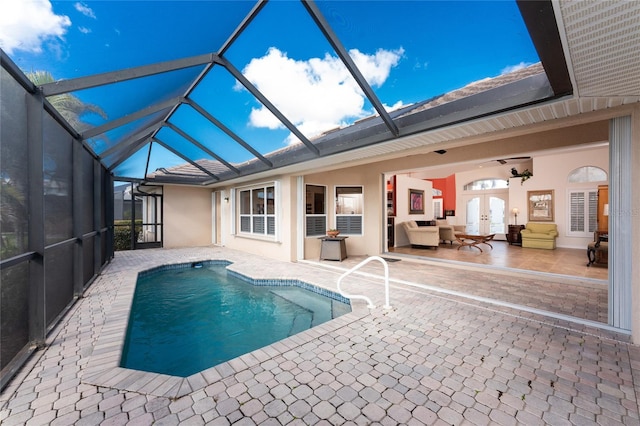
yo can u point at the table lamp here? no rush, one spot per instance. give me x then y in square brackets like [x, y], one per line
[515, 212]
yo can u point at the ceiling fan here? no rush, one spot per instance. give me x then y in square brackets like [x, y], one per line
[512, 160]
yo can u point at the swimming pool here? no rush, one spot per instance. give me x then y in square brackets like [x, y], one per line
[187, 318]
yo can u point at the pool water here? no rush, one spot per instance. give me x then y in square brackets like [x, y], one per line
[183, 321]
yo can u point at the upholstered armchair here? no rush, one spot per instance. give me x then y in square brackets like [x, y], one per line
[448, 232]
[421, 235]
[539, 235]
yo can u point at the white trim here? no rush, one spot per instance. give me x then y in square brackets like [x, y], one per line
[621, 210]
[232, 210]
[585, 233]
[214, 213]
[384, 241]
[277, 211]
[335, 215]
[275, 237]
[304, 207]
[300, 217]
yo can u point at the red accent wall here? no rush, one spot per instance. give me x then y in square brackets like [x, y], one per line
[448, 187]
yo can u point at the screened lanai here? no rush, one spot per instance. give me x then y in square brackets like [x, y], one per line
[195, 85]
[211, 92]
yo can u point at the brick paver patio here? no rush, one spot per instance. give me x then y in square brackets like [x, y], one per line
[436, 357]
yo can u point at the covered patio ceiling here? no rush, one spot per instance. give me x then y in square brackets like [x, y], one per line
[183, 119]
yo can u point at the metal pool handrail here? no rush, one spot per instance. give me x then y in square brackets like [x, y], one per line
[365, 298]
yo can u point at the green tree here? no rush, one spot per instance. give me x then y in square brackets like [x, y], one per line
[68, 105]
[13, 226]
[13, 180]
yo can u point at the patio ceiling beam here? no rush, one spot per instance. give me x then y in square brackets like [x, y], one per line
[224, 47]
[333, 39]
[98, 130]
[202, 147]
[126, 153]
[243, 25]
[185, 158]
[540, 20]
[128, 179]
[147, 132]
[74, 84]
[228, 131]
[255, 92]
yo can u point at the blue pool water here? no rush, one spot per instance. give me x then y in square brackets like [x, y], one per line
[187, 320]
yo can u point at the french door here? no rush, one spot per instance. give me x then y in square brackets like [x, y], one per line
[485, 213]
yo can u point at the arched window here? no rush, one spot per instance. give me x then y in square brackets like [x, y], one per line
[482, 184]
[587, 174]
[583, 202]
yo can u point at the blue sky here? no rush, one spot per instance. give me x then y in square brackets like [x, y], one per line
[408, 51]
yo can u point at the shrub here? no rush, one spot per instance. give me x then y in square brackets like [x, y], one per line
[122, 234]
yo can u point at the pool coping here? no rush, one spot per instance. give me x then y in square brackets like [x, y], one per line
[103, 366]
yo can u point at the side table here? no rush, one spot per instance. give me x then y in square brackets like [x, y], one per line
[513, 236]
[333, 248]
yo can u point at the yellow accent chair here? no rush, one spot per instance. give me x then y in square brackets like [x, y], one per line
[539, 235]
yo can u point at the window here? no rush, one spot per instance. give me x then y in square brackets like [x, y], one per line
[257, 210]
[316, 210]
[587, 174]
[349, 209]
[583, 212]
[482, 184]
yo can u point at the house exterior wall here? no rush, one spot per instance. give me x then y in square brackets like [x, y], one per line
[370, 242]
[282, 247]
[193, 205]
[186, 216]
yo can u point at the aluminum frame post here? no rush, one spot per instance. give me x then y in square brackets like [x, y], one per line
[35, 142]
[78, 224]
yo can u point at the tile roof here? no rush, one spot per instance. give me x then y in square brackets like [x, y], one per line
[187, 170]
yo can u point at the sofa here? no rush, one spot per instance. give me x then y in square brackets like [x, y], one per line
[421, 235]
[539, 235]
[448, 232]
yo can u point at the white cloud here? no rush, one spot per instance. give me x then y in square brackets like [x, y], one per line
[376, 68]
[395, 106]
[84, 30]
[512, 68]
[85, 10]
[27, 24]
[317, 94]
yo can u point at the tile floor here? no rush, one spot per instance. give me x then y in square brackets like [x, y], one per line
[562, 261]
[448, 352]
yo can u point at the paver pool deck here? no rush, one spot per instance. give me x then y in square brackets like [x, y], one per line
[460, 345]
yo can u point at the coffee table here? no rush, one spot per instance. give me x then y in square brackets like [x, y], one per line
[474, 240]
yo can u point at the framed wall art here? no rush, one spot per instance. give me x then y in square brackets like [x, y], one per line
[540, 205]
[416, 201]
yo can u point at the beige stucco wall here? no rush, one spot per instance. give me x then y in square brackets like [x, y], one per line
[370, 242]
[282, 247]
[551, 172]
[186, 216]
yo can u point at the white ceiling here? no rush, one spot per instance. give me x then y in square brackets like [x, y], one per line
[602, 39]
